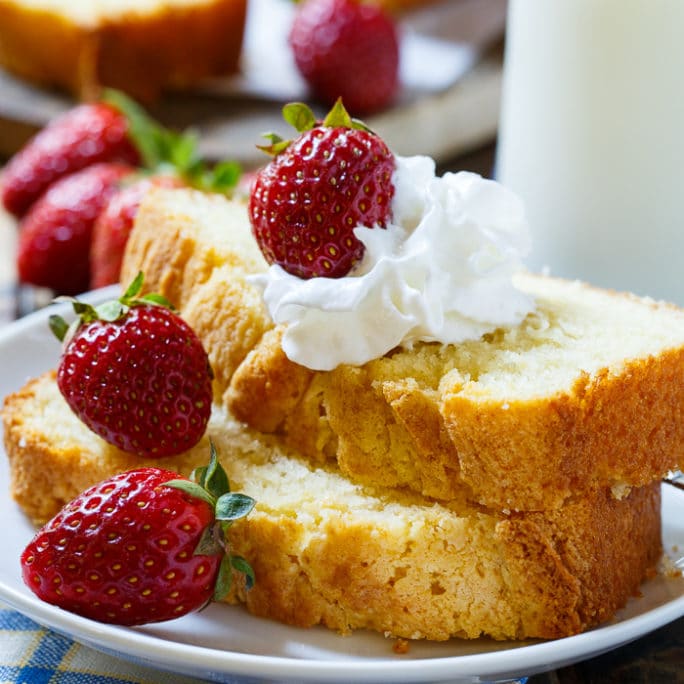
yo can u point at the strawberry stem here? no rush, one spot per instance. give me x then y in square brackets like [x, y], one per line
[302, 118]
[109, 311]
[210, 483]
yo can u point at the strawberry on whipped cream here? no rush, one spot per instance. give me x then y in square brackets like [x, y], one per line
[442, 271]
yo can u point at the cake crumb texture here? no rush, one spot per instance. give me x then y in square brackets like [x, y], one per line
[334, 552]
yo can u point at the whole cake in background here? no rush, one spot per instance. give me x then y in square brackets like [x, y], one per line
[139, 46]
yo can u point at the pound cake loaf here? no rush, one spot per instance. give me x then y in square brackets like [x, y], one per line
[329, 551]
[519, 419]
[141, 47]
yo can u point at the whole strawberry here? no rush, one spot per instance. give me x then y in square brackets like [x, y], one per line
[113, 226]
[143, 546]
[85, 135]
[347, 49]
[135, 373]
[55, 234]
[307, 201]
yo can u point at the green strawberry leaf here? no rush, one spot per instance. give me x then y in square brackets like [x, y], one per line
[225, 175]
[199, 475]
[86, 312]
[241, 565]
[58, 326]
[167, 151]
[133, 290]
[277, 145]
[338, 116]
[110, 311]
[144, 131]
[224, 581]
[300, 116]
[130, 296]
[215, 480]
[208, 544]
[361, 126]
[182, 149]
[193, 489]
[233, 506]
[154, 298]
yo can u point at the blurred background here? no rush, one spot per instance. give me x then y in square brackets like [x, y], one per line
[447, 104]
[584, 121]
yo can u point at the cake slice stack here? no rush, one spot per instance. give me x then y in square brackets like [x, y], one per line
[506, 487]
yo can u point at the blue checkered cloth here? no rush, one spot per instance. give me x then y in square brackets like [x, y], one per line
[31, 654]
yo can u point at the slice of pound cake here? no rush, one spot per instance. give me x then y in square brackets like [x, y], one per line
[328, 551]
[586, 392]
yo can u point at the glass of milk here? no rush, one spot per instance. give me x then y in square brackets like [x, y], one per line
[592, 138]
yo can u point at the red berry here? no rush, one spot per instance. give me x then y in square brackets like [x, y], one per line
[113, 226]
[141, 380]
[126, 550]
[347, 49]
[55, 234]
[307, 201]
[85, 135]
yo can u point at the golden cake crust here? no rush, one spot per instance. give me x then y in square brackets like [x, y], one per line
[327, 551]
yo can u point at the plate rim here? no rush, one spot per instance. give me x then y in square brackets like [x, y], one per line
[183, 658]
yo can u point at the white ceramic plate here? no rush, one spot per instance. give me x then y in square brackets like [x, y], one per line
[223, 643]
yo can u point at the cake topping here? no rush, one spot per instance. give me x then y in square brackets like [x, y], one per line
[135, 373]
[307, 201]
[441, 271]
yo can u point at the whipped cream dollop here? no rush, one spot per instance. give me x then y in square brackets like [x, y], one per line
[440, 272]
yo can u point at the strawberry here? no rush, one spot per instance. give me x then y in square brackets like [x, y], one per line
[135, 373]
[87, 134]
[55, 234]
[143, 546]
[307, 201]
[347, 49]
[113, 226]
[56, 231]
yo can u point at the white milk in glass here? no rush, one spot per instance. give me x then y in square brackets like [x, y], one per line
[592, 138]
